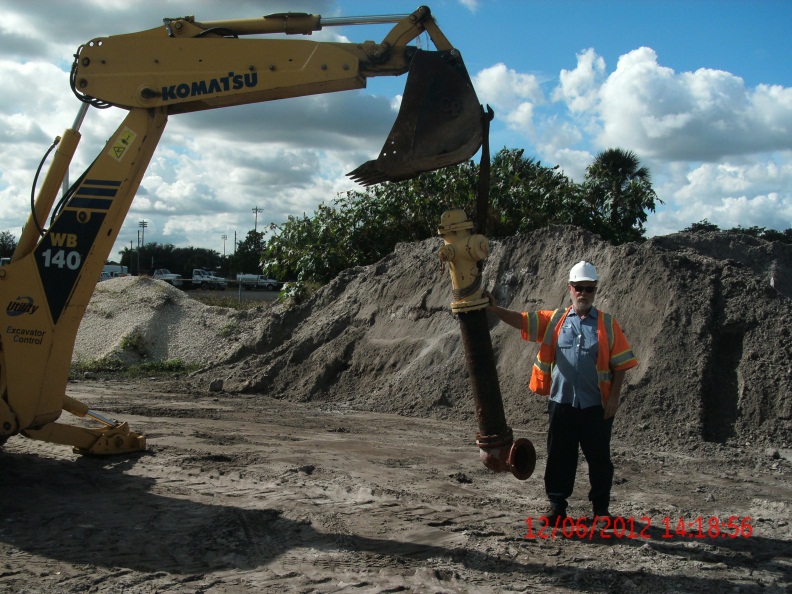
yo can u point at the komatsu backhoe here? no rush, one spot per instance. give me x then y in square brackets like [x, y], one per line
[186, 66]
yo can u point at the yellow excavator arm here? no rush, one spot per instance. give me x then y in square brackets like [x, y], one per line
[185, 66]
[189, 66]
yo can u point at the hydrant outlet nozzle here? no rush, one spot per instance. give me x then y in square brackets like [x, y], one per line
[446, 253]
[517, 457]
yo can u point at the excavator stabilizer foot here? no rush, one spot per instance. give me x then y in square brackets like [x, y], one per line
[439, 122]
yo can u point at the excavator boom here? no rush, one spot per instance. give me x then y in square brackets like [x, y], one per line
[190, 66]
[180, 67]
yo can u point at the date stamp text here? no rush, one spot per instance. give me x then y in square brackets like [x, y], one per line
[617, 527]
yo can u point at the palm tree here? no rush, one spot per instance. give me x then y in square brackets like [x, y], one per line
[619, 192]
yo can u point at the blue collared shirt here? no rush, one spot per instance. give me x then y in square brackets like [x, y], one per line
[575, 370]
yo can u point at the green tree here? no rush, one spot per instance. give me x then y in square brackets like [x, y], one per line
[177, 260]
[360, 228]
[525, 195]
[308, 249]
[8, 244]
[363, 227]
[247, 257]
[784, 236]
[617, 195]
[753, 231]
[703, 226]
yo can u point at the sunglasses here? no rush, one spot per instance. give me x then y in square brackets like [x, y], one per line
[579, 289]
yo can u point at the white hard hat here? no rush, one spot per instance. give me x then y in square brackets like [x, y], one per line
[583, 271]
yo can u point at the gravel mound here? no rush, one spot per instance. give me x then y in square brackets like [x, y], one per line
[136, 319]
[706, 315]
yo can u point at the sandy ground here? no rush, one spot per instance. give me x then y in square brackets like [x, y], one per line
[243, 493]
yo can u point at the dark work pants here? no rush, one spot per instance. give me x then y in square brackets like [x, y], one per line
[569, 429]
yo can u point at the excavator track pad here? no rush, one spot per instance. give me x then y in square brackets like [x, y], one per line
[439, 122]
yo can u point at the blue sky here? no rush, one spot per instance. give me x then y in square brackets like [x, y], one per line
[701, 91]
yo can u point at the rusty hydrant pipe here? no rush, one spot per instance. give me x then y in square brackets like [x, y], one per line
[497, 449]
[463, 250]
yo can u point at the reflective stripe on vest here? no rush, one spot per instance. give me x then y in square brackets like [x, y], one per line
[533, 326]
[608, 321]
[548, 340]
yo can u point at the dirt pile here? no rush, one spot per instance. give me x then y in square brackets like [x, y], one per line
[136, 319]
[705, 314]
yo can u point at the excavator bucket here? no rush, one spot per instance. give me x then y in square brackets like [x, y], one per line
[439, 123]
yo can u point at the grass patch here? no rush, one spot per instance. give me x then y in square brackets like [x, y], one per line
[230, 302]
[111, 366]
[134, 341]
[230, 329]
[103, 365]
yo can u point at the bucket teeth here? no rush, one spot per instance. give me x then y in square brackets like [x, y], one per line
[439, 122]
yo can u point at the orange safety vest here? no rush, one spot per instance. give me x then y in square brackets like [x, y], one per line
[613, 351]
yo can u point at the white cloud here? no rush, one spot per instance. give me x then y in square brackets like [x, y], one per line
[756, 191]
[471, 5]
[701, 116]
[521, 118]
[513, 93]
[579, 88]
[572, 163]
[717, 149]
[506, 88]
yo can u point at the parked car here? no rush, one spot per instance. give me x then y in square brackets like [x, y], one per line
[257, 281]
[166, 275]
[207, 281]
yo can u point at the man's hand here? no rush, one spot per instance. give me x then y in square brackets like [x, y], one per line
[611, 406]
[614, 400]
[487, 295]
[512, 318]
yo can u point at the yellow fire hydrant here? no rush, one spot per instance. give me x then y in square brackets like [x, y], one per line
[463, 250]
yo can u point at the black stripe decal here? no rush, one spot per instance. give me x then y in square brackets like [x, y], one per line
[83, 191]
[95, 203]
[102, 182]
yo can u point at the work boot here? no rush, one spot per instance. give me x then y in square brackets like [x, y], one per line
[554, 515]
[603, 521]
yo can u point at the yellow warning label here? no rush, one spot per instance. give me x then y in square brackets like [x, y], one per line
[122, 144]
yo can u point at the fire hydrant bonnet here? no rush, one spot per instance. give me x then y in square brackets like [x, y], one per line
[583, 271]
[454, 220]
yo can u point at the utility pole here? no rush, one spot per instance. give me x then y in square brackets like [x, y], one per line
[256, 210]
[142, 224]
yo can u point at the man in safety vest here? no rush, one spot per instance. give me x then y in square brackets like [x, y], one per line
[581, 364]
